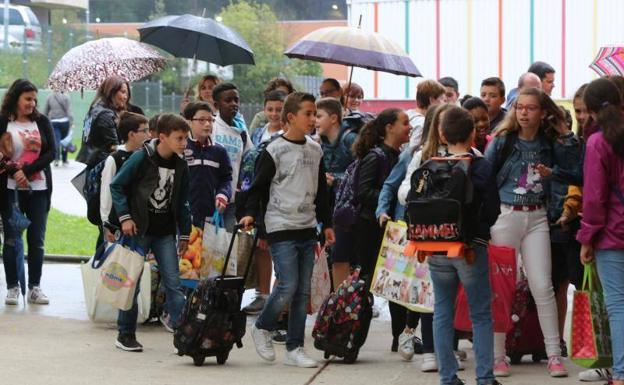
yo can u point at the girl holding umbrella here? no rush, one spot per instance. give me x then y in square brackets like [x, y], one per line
[26, 182]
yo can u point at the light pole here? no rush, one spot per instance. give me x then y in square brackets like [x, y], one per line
[6, 24]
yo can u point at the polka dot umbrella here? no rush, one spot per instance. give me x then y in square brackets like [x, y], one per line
[87, 65]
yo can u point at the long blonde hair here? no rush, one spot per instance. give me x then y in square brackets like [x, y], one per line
[432, 141]
[510, 123]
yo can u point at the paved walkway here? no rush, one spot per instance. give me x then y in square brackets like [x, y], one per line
[56, 344]
[65, 197]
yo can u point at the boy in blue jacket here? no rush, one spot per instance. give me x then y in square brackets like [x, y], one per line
[209, 165]
[150, 196]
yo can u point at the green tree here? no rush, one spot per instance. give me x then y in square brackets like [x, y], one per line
[257, 24]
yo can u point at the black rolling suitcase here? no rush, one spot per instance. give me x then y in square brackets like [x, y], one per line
[343, 320]
[212, 320]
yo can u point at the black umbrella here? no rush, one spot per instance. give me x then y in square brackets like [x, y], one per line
[198, 38]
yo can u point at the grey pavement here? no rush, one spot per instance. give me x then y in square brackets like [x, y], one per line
[56, 344]
[65, 197]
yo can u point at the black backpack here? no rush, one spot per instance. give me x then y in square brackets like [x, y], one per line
[437, 202]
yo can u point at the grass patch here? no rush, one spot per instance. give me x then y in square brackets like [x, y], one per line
[69, 234]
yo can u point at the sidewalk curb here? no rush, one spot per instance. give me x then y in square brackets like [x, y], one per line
[65, 258]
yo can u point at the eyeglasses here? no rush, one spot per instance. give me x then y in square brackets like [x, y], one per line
[203, 120]
[528, 107]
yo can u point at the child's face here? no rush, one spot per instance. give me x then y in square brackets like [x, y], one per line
[354, 100]
[140, 135]
[451, 95]
[482, 122]
[580, 111]
[228, 104]
[201, 125]
[401, 128]
[305, 119]
[176, 141]
[325, 122]
[492, 98]
[528, 111]
[273, 112]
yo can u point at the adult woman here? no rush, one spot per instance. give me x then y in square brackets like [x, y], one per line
[602, 227]
[99, 137]
[58, 110]
[203, 91]
[26, 178]
[532, 149]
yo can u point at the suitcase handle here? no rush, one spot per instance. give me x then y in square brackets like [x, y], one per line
[235, 232]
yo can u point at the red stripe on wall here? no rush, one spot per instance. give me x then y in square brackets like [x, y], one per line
[500, 39]
[563, 48]
[437, 34]
[376, 29]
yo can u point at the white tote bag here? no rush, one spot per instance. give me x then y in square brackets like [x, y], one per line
[102, 312]
[119, 273]
[215, 245]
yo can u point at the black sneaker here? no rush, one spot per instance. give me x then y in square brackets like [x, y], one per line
[279, 337]
[418, 345]
[457, 381]
[495, 383]
[395, 345]
[128, 343]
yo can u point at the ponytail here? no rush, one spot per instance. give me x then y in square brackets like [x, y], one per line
[374, 132]
[603, 97]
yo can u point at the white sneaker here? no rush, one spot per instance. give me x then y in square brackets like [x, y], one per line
[37, 297]
[12, 297]
[263, 340]
[429, 364]
[298, 357]
[592, 375]
[406, 345]
[460, 363]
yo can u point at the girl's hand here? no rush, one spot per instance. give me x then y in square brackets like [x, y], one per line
[20, 179]
[383, 218]
[545, 172]
[587, 254]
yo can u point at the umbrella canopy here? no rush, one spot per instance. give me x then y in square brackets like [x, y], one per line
[354, 47]
[198, 38]
[87, 65]
[609, 61]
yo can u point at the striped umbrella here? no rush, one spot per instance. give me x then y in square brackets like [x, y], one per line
[609, 61]
[354, 47]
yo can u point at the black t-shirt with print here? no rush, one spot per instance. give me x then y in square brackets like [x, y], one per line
[161, 221]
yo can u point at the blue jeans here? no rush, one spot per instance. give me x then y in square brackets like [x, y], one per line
[610, 264]
[61, 129]
[34, 204]
[446, 273]
[293, 262]
[165, 252]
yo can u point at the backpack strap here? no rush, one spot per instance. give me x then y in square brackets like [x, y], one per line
[244, 137]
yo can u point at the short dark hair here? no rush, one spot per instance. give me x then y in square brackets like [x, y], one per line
[292, 104]
[167, 123]
[11, 97]
[494, 82]
[330, 105]
[335, 83]
[191, 109]
[222, 87]
[129, 122]
[472, 103]
[457, 125]
[275, 83]
[541, 69]
[448, 81]
[153, 122]
[274, 96]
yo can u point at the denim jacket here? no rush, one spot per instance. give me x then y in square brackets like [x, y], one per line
[338, 156]
[561, 155]
[388, 202]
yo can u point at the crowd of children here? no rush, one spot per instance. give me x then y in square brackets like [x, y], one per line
[282, 175]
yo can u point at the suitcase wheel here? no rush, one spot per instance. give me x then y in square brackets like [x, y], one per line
[222, 357]
[351, 357]
[199, 360]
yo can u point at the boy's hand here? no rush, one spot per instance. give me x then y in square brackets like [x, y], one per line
[544, 171]
[246, 222]
[262, 244]
[587, 254]
[383, 218]
[330, 237]
[330, 178]
[182, 247]
[108, 235]
[220, 203]
[128, 227]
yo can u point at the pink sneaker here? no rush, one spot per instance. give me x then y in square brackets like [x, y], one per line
[556, 368]
[501, 367]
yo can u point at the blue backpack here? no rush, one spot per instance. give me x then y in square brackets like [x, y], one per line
[93, 185]
[347, 208]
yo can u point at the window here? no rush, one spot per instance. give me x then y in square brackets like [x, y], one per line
[15, 18]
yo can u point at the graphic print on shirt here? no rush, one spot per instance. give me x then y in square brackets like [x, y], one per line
[160, 200]
[529, 187]
[530, 181]
[31, 142]
[233, 145]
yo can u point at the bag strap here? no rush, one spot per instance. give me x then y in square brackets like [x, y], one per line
[218, 221]
[238, 227]
[589, 277]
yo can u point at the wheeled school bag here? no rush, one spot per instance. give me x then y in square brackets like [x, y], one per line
[212, 320]
[526, 336]
[343, 320]
[440, 190]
